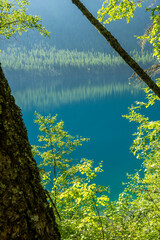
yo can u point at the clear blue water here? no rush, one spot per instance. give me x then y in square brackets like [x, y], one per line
[96, 116]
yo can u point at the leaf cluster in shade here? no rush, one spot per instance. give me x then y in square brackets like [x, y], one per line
[14, 18]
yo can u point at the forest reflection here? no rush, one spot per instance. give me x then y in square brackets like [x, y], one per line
[45, 97]
[45, 76]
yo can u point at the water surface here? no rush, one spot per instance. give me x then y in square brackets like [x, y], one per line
[91, 107]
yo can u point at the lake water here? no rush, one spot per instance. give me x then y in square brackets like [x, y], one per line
[91, 107]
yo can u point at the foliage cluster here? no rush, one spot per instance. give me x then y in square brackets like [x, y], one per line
[124, 9]
[14, 18]
[84, 208]
[73, 191]
[136, 215]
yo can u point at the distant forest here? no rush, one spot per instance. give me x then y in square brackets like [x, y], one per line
[76, 63]
[44, 60]
[41, 76]
[69, 30]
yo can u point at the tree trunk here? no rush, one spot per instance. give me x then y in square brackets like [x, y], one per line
[117, 47]
[24, 210]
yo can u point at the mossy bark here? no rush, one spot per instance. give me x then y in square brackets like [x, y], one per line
[118, 48]
[24, 210]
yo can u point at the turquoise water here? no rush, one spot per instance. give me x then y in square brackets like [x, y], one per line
[91, 108]
[110, 136]
[90, 105]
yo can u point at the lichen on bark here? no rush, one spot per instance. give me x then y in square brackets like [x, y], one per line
[24, 210]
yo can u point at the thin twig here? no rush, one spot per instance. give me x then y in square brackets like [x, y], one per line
[53, 205]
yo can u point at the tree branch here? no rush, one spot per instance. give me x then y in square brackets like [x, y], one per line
[117, 47]
[8, 24]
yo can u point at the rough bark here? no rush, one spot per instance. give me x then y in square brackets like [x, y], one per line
[24, 210]
[117, 47]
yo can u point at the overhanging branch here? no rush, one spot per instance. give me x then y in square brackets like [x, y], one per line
[117, 47]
